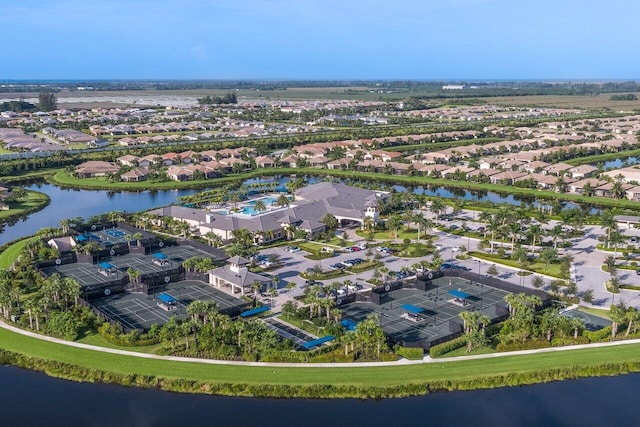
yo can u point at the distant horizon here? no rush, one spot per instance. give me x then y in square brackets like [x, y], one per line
[6, 81]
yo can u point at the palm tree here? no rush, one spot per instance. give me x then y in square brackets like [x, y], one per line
[422, 223]
[470, 326]
[213, 239]
[618, 314]
[555, 233]
[282, 201]
[65, 223]
[607, 220]
[436, 207]
[633, 317]
[259, 206]
[368, 223]
[394, 222]
[291, 286]
[534, 232]
[330, 221]
[256, 287]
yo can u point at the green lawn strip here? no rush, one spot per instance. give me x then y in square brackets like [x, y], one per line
[462, 351]
[100, 341]
[368, 376]
[9, 255]
[304, 324]
[33, 202]
[597, 311]
[28, 175]
[412, 234]
[537, 267]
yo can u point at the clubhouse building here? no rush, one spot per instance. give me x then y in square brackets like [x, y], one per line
[349, 205]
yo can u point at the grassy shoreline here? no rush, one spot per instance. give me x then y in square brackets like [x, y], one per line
[63, 179]
[78, 364]
[34, 202]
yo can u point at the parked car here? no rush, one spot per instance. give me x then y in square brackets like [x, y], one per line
[355, 249]
[455, 248]
[293, 249]
[446, 265]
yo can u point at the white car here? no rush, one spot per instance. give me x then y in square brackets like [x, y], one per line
[455, 248]
[438, 246]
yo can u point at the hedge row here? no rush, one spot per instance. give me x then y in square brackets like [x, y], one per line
[599, 335]
[444, 348]
[411, 353]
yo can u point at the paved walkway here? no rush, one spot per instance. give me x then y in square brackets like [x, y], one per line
[400, 362]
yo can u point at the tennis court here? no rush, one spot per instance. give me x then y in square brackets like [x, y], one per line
[412, 315]
[591, 321]
[139, 311]
[88, 274]
[106, 237]
[85, 274]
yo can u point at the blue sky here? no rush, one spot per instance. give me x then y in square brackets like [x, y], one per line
[319, 39]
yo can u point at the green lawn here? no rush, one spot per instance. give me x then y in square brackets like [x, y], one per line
[412, 234]
[361, 376]
[9, 255]
[100, 341]
[536, 267]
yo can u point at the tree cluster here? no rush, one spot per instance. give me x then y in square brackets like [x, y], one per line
[627, 97]
[47, 101]
[228, 98]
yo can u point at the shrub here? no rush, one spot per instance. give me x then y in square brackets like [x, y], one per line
[411, 353]
[599, 335]
[528, 345]
[564, 341]
[445, 347]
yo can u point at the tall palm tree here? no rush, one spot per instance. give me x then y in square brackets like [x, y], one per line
[534, 232]
[437, 207]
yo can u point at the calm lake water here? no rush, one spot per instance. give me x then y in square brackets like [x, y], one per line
[33, 399]
[71, 203]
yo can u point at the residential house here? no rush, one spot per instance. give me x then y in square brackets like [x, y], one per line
[95, 168]
[135, 175]
[582, 171]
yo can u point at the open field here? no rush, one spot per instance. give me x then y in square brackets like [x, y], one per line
[567, 101]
